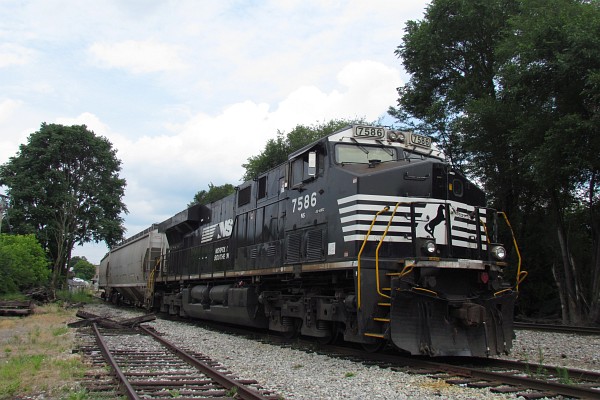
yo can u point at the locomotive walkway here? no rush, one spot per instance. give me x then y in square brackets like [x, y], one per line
[144, 365]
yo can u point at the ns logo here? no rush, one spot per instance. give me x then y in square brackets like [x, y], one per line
[217, 231]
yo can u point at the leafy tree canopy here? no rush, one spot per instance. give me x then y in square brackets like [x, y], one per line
[84, 269]
[276, 150]
[64, 186]
[511, 88]
[214, 193]
[23, 263]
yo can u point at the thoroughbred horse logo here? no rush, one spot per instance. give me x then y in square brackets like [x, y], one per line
[439, 218]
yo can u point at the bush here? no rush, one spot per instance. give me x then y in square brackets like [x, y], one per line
[23, 263]
[75, 297]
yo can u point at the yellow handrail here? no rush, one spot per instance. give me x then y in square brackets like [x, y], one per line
[150, 283]
[385, 209]
[408, 268]
[377, 251]
[521, 275]
[487, 237]
[420, 289]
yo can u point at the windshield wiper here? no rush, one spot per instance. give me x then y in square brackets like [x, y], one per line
[385, 148]
[360, 146]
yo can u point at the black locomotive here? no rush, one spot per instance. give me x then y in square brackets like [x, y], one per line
[367, 234]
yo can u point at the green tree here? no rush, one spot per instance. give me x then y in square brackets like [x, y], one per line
[23, 263]
[84, 269]
[510, 89]
[550, 68]
[452, 93]
[74, 260]
[64, 186]
[214, 193]
[277, 150]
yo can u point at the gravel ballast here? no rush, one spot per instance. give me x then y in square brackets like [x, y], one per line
[295, 374]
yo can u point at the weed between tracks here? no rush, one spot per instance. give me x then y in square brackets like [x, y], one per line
[36, 358]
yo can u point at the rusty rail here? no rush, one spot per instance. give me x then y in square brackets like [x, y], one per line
[243, 391]
[123, 381]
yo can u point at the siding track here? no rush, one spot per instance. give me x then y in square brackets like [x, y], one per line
[143, 365]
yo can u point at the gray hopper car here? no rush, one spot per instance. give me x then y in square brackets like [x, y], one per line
[127, 268]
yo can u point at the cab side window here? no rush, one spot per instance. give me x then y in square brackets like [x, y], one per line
[306, 166]
[297, 171]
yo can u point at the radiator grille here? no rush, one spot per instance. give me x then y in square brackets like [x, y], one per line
[293, 253]
[314, 245]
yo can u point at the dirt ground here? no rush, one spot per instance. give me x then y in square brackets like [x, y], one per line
[36, 358]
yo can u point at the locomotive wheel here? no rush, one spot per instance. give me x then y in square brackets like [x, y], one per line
[326, 339]
[294, 332]
[332, 336]
[373, 347]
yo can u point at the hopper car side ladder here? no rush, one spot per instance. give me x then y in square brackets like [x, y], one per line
[149, 295]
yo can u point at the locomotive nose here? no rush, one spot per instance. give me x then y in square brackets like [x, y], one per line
[450, 184]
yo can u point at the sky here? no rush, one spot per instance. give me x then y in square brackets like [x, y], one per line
[186, 91]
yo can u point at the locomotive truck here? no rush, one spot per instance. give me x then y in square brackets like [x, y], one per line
[367, 234]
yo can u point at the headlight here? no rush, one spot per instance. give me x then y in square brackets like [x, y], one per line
[395, 136]
[429, 247]
[498, 252]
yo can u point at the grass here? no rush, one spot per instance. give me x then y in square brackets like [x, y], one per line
[563, 376]
[65, 296]
[36, 357]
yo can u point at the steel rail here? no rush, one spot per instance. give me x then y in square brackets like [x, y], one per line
[558, 328]
[243, 391]
[576, 373]
[123, 381]
[520, 381]
[530, 383]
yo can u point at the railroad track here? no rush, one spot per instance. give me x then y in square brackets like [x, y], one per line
[144, 365]
[525, 380]
[588, 330]
[530, 381]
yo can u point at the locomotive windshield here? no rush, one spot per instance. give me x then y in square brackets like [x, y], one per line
[361, 154]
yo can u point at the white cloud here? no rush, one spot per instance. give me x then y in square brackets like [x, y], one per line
[13, 54]
[138, 56]
[206, 83]
[212, 148]
[13, 127]
[368, 89]
[8, 108]
[88, 119]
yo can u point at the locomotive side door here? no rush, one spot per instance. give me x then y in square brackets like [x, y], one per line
[305, 224]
